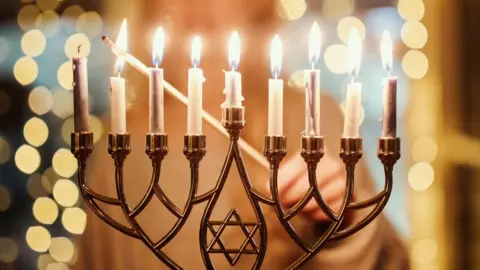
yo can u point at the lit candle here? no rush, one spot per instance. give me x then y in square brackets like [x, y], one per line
[80, 93]
[233, 78]
[312, 84]
[275, 90]
[353, 102]
[117, 87]
[156, 102]
[195, 81]
[389, 86]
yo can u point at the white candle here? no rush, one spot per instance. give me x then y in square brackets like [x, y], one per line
[195, 81]
[80, 93]
[156, 92]
[118, 102]
[233, 78]
[312, 85]
[353, 101]
[389, 85]
[275, 90]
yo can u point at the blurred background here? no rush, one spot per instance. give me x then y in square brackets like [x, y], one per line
[434, 201]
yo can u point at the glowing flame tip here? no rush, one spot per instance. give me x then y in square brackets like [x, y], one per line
[314, 43]
[354, 52]
[196, 51]
[234, 51]
[386, 49]
[158, 47]
[276, 55]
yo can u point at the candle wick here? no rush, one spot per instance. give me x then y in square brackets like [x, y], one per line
[313, 65]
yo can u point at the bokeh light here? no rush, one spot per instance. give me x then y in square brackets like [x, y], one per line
[34, 186]
[35, 131]
[62, 249]
[45, 210]
[26, 17]
[67, 128]
[421, 176]
[65, 75]
[291, 9]
[71, 46]
[33, 43]
[48, 22]
[5, 199]
[38, 238]
[44, 260]
[96, 127]
[424, 251]
[336, 58]
[424, 149]
[414, 34]
[65, 193]
[64, 163]
[69, 18]
[62, 103]
[4, 48]
[45, 5]
[74, 220]
[8, 250]
[297, 80]
[25, 70]
[90, 23]
[49, 179]
[411, 10]
[5, 102]
[27, 159]
[415, 64]
[57, 266]
[337, 9]
[346, 25]
[5, 151]
[40, 100]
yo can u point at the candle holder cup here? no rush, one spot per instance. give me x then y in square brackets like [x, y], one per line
[233, 120]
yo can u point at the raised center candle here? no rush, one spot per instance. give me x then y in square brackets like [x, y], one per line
[156, 93]
[195, 84]
[233, 78]
[312, 85]
[275, 90]
[80, 93]
[389, 85]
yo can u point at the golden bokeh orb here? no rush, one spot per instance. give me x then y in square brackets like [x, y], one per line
[65, 193]
[49, 22]
[33, 43]
[74, 220]
[65, 75]
[411, 10]
[297, 80]
[25, 70]
[5, 151]
[90, 23]
[34, 186]
[415, 64]
[71, 46]
[414, 34]
[336, 58]
[96, 127]
[62, 103]
[27, 159]
[424, 149]
[45, 210]
[345, 26]
[64, 163]
[5, 199]
[62, 249]
[8, 250]
[291, 9]
[49, 178]
[26, 17]
[35, 131]
[67, 128]
[424, 251]
[69, 18]
[45, 5]
[57, 266]
[40, 100]
[337, 9]
[38, 238]
[44, 260]
[421, 176]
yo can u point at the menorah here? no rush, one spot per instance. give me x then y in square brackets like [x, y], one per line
[233, 120]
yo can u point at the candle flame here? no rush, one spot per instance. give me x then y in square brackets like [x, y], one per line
[196, 51]
[276, 55]
[386, 49]
[314, 43]
[234, 51]
[158, 47]
[122, 46]
[354, 53]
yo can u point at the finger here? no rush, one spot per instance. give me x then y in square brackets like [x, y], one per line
[319, 215]
[296, 190]
[328, 169]
[331, 193]
[290, 172]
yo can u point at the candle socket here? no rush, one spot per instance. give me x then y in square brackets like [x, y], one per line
[233, 119]
[194, 148]
[312, 148]
[275, 148]
[351, 150]
[388, 150]
[119, 147]
[156, 145]
[81, 144]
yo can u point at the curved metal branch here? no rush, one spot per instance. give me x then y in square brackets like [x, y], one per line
[100, 197]
[167, 202]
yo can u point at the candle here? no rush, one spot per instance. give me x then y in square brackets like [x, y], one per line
[353, 102]
[275, 90]
[389, 85]
[80, 93]
[156, 102]
[233, 78]
[195, 81]
[312, 83]
[117, 87]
